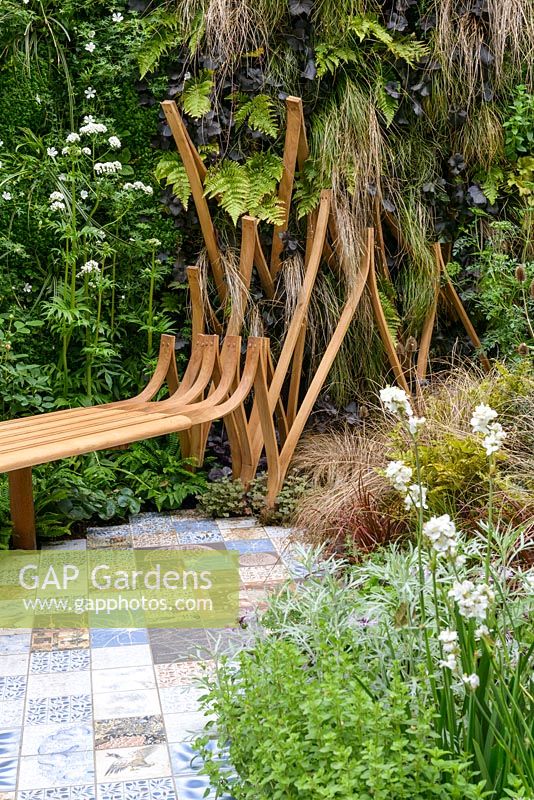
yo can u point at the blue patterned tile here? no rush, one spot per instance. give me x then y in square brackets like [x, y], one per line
[83, 792]
[151, 789]
[73, 708]
[57, 738]
[14, 643]
[194, 787]
[200, 536]
[195, 526]
[9, 744]
[184, 758]
[251, 545]
[118, 637]
[12, 687]
[43, 661]
[8, 774]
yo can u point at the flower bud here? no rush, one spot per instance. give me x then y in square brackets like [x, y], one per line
[522, 349]
[520, 273]
[363, 412]
[399, 349]
[411, 344]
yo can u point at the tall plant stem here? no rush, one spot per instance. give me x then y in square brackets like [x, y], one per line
[151, 303]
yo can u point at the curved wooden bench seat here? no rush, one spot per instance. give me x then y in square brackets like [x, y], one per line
[27, 442]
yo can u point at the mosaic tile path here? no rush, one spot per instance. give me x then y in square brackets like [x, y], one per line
[110, 714]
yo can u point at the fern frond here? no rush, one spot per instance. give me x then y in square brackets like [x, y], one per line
[328, 58]
[197, 93]
[229, 182]
[308, 186]
[171, 170]
[406, 49]
[258, 112]
[162, 34]
[385, 103]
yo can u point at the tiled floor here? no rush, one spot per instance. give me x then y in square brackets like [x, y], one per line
[110, 714]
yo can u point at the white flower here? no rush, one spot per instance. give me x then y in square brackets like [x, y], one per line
[441, 532]
[481, 631]
[138, 185]
[7, 195]
[107, 167]
[494, 438]
[57, 205]
[90, 93]
[471, 681]
[415, 496]
[450, 662]
[90, 47]
[90, 126]
[449, 640]
[38, 100]
[399, 474]
[65, 151]
[73, 137]
[114, 142]
[27, 288]
[86, 151]
[396, 401]
[51, 151]
[414, 423]
[1, 143]
[117, 16]
[84, 194]
[56, 196]
[473, 602]
[89, 267]
[482, 416]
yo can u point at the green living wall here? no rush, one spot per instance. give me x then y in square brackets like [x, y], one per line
[420, 109]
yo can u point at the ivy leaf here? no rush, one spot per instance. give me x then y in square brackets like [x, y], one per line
[197, 93]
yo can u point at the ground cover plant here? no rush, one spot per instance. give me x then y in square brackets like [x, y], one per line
[408, 674]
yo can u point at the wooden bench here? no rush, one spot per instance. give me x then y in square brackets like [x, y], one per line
[29, 441]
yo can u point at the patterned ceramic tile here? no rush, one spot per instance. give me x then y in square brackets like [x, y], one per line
[237, 522]
[59, 684]
[129, 732]
[8, 773]
[199, 536]
[131, 763]
[114, 705]
[108, 537]
[170, 645]
[68, 544]
[118, 637]
[262, 575]
[184, 758]
[185, 727]
[152, 789]
[146, 540]
[109, 657]
[56, 769]
[44, 661]
[10, 743]
[7, 795]
[11, 643]
[198, 525]
[16, 664]
[275, 531]
[227, 641]
[114, 680]
[237, 534]
[156, 523]
[83, 792]
[182, 673]
[180, 699]
[12, 687]
[251, 545]
[61, 639]
[193, 787]
[11, 713]
[43, 711]
[57, 738]
[259, 559]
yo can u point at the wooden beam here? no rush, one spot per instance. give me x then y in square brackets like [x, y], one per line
[22, 510]
[183, 143]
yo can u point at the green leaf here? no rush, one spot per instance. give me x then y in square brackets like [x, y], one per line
[258, 112]
[196, 95]
[328, 58]
[162, 32]
[171, 170]
[229, 182]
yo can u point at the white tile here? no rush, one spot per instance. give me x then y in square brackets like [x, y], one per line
[16, 664]
[123, 679]
[109, 705]
[69, 544]
[108, 657]
[186, 726]
[61, 736]
[237, 522]
[132, 763]
[56, 769]
[11, 713]
[59, 684]
[180, 699]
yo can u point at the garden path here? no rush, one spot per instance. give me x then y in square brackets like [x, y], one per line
[75, 703]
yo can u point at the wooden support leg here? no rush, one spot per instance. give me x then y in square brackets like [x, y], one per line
[22, 511]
